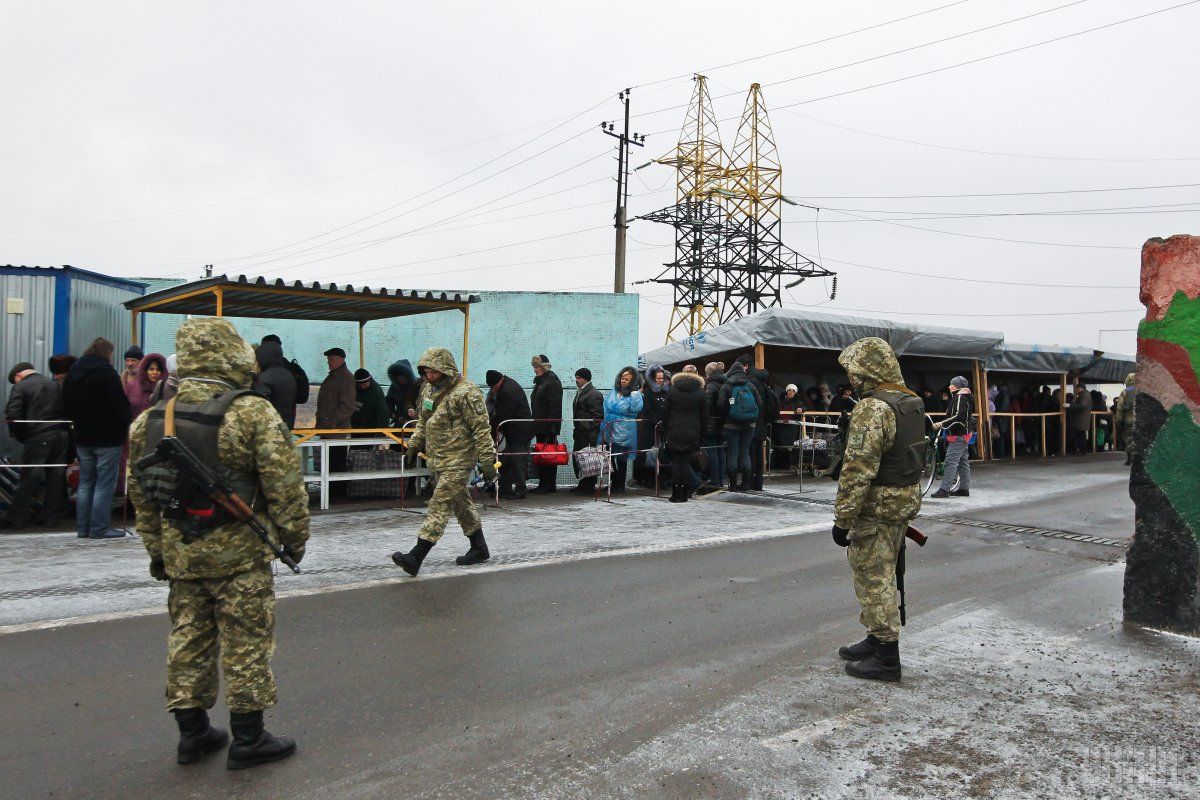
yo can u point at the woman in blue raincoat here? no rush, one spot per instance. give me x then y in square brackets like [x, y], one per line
[622, 404]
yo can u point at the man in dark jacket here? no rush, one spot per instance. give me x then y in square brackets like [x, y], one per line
[275, 380]
[36, 397]
[740, 406]
[547, 407]
[372, 410]
[683, 429]
[508, 411]
[335, 407]
[588, 412]
[714, 433]
[957, 424]
[96, 404]
[768, 411]
[403, 392]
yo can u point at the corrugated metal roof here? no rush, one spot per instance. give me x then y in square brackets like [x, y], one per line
[260, 297]
[76, 272]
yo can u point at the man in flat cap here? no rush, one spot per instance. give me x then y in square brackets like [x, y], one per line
[335, 407]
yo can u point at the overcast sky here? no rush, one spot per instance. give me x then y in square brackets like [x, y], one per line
[149, 139]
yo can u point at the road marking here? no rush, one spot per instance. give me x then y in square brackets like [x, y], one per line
[1050, 533]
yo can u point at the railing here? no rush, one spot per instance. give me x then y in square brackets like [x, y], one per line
[355, 437]
[1012, 428]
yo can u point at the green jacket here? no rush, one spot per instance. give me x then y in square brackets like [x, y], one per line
[452, 421]
[252, 438]
[372, 411]
[868, 363]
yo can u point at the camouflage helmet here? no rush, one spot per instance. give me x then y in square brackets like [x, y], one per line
[870, 362]
[210, 347]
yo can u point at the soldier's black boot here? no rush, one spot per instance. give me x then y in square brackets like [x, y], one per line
[478, 552]
[197, 738]
[857, 652]
[410, 562]
[882, 665]
[253, 744]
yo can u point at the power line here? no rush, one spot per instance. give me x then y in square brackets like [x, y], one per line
[806, 44]
[924, 313]
[1023, 284]
[1160, 208]
[990, 194]
[489, 267]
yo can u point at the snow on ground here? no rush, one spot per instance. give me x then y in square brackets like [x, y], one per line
[55, 577]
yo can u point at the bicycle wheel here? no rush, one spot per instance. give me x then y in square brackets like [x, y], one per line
[929, 470]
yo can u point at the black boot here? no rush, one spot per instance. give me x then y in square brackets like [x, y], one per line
[253, 744]
[675, 494]
[857, 652]
[683, 492]
[477, 554]
[410, 562]
[197, 738]
[882, 665]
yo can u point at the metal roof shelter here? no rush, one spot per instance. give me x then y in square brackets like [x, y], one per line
[222, 296]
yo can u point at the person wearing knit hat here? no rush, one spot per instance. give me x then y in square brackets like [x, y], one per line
[587, 409]
[60, 365]
[509, 414]
[371, 410]
[133, 357]
[546, 404]
[956, 475]
[713, 442]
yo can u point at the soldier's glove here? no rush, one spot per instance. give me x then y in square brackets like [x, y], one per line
[488, 471]
[841, 536]
[158, 570]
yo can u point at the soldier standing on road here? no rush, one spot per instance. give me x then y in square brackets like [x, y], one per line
[454, 434]
[1126, 405]
[878, 494]
[222, 600]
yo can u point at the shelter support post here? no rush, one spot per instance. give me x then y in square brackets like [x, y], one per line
[133, 327]
[1012, 432]
[1062, 414]
[220, 295]
[760, 356]
[466, 336]
[1044, 453]
[362, 353]
[1093, 416]
[981, 411]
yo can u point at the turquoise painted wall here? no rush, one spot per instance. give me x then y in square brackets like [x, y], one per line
[574, 329]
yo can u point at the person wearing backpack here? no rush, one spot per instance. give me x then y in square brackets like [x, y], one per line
[275, 381]
[739, 405]
[293, 366]
[768, 412]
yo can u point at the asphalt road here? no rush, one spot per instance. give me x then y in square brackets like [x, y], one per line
[501, 684]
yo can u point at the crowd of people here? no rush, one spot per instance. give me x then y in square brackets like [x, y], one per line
[706, 428]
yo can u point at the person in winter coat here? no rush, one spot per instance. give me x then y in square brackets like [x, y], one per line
[768, 412]
[275, 381]
[372, 410]
[740, 407]
[133, 357]
[622, 405]
[1126, 415]
[96, 404]
[335, 407]
[1079, 420]
[547, 406]
[167, 389]
[714, 432]
[36, 397]
[151, 370]
[683, 430]
[506, 402]
[587, 409]
[403, 392]
[654, 397]
[957, 424]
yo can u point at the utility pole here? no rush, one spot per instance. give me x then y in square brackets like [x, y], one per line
[624, 139]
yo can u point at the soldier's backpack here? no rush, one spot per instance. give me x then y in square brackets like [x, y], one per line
[742, 405]
[301, 382]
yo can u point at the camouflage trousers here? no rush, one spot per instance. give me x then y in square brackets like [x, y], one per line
[227, 619]
[450, 496]
[873, 549]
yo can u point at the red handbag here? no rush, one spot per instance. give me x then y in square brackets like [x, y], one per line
[550, 454]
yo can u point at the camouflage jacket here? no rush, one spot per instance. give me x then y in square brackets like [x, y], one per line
[452, 421]
[213, 358]
[1127, 401]
[870, 362]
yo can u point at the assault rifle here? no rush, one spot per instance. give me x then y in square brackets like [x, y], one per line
[212, 486]
[920, 539]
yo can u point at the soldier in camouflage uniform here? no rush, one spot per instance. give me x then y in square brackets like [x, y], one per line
[1126, 406]
[222, 599]
[454, 434]
[878, 494]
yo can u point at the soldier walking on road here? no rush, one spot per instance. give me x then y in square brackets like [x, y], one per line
[878, 494]
[454, 434]
[222, 600]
